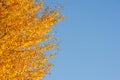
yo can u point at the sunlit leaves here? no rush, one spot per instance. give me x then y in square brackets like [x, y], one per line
[21, 33]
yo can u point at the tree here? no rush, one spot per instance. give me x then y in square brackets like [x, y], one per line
[21, 34]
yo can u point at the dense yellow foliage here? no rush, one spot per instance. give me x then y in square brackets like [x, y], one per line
[21, 58]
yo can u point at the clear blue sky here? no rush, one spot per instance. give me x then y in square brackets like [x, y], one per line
[90, 35]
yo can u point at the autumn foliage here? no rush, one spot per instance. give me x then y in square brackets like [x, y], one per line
[22, 57]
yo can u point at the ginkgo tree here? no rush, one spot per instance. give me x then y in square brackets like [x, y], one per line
[22, 57]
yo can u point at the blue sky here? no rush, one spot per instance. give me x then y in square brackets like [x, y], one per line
[90, 41]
